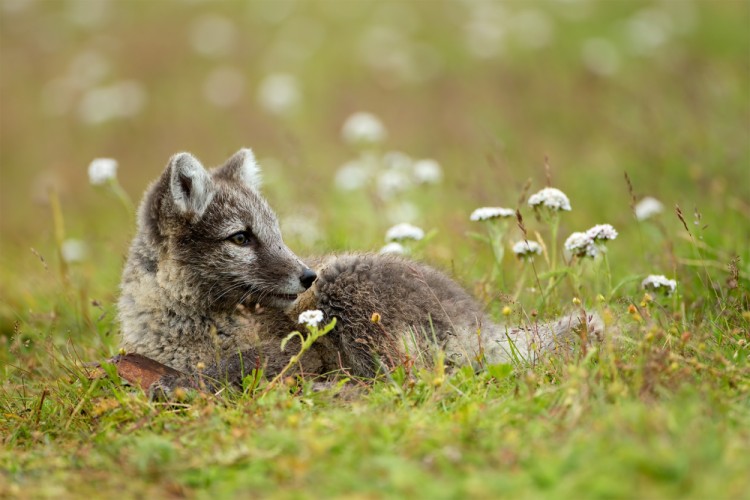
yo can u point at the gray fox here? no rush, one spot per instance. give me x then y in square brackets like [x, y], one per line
[210, 285]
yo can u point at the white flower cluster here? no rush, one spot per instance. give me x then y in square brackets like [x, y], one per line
[363, 128]
[312, 317]
[527, 249]
[393, 247]
[279, 93]
[353, 175]
[486, 213]
[659, 282]
[647, 208]
[395, 172]
[213, 35]
[427, 171]
[390, 173]
[590, 243]
[581, 245]
[119, 100]
[404, 231]
[102, 170]
[552, 198]
[391, 182]
[602, 232]
[73, 250]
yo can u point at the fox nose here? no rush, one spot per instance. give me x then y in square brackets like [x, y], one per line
[307, 278]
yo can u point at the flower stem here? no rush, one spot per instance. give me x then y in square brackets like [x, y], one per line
[555, 225]
[58, 223]
[521, 281]
[608, 272]
[496, 233]
[121, 195]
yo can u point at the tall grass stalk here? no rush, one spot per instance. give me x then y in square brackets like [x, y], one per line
[58, 223]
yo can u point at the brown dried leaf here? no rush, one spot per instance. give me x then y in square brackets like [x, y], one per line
[136, 369]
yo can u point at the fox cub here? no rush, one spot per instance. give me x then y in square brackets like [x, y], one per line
[210, 284]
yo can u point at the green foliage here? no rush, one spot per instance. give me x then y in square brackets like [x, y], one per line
[661, 409]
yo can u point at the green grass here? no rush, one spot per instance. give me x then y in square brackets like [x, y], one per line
[661, 410]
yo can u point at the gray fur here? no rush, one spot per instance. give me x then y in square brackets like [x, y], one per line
[190, 185]
[190, 296]
[243, 168]
[183, 280]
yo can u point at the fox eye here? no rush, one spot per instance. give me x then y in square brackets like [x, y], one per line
[241, 238]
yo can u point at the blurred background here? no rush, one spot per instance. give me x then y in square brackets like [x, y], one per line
[483, 90]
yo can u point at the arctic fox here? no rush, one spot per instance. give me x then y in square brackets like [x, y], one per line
[210, 284]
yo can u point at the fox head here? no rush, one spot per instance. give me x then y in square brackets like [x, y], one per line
[218, 237]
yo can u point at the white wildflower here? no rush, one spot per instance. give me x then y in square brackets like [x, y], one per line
[393, 247]
[362, 128]
[213, 35]
[486, 213]
[647, 208]
[73, 250]
[312, 317]
[404, 231]
[581, 245]
[279, 93]
[527, 249]
[396, 160]
[552, 198]
[487, 30]
[427, 171]
[102, 170]
[392, 182]
[659, 282]
[602, 232]
[119, 100]
[352, 175]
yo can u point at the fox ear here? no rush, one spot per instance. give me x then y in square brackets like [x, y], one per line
[190, 185]
[242, 167]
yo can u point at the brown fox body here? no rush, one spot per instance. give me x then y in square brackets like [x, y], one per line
[209, 282]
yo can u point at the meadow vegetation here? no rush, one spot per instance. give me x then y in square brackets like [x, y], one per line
[449, 107]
